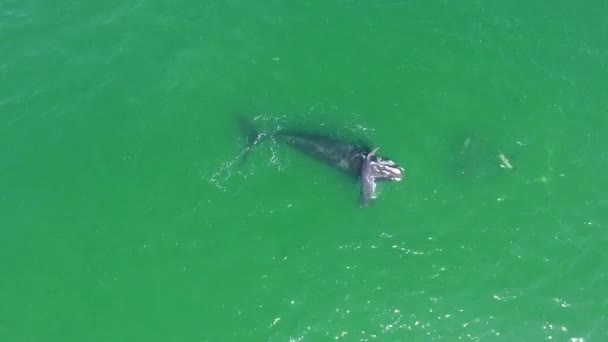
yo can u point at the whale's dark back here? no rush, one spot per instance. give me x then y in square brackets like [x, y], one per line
[337, 153]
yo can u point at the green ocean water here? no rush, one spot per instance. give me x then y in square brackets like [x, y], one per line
[125, 217]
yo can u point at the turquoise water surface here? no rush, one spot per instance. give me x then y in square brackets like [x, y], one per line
[126, 217]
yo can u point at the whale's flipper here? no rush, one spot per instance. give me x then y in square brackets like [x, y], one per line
[368, 179]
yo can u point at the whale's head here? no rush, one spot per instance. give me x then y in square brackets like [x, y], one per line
[377, 168]
[386, 169]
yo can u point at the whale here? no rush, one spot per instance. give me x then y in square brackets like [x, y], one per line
[357, 160]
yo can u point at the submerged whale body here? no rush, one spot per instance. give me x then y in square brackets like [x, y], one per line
[339, 154]
[357, 160]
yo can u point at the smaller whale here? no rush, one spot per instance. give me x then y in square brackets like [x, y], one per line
[356, 160]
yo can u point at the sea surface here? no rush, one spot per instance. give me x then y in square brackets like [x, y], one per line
[127, 215]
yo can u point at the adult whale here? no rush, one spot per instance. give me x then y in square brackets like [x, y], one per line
[357, 160]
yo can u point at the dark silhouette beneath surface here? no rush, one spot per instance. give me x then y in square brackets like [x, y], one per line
[356, 160]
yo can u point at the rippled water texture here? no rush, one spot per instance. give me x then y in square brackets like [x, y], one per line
[127, 217]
